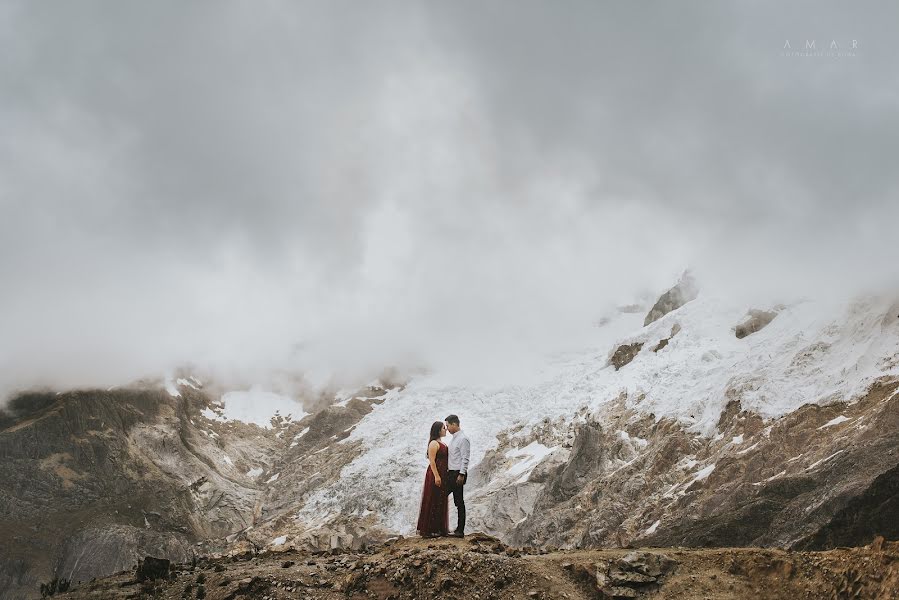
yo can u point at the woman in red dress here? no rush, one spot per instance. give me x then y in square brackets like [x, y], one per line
[433, 518]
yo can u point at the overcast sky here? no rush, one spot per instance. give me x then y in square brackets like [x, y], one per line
[319, 186]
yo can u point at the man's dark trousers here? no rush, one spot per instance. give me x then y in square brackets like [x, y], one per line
[458, 496]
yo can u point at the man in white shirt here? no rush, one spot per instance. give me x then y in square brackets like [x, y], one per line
[457, 470]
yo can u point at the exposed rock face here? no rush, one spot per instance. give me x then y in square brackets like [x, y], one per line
[755, 321]
[685, 290]
[310, 461]
[585, 464]
[112, 548]
[664, 341]
[151, 568]
[625, 354]
[815, 478]
[96, 480]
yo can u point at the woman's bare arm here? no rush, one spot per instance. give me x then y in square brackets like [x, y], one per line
[433, 447]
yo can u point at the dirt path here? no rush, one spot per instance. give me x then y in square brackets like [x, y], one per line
[480, 567]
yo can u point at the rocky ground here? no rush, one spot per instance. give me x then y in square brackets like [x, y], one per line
[481, 567]
[819, 477]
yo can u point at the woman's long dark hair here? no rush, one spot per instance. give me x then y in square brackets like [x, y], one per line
[436, 426]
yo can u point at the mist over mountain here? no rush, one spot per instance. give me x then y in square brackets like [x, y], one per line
[331, 189]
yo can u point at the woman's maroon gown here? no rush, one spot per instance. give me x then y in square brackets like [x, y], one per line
[433, 518]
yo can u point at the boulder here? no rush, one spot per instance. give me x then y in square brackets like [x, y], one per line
[152, 568]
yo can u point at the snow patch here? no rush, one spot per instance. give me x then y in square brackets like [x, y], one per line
[255, 406]
[254, 472]
[171, 388]
[689, 463]
[823, 460]
[187, 383]
[748, 450]
[835, 421]
[702, 474]
[531, 456]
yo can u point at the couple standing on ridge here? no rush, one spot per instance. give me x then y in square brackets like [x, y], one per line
[447, 473]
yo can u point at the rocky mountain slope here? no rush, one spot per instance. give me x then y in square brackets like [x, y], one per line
[95, 480]
[708, 424]
[786, 436]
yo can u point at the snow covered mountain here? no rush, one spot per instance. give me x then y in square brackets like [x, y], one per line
[696, 422]
[644, 440]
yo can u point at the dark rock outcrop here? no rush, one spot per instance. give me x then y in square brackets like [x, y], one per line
[756, 320]
[675, 329]
[624, 354]
[584, 463]
[685, 290]
[152, 568]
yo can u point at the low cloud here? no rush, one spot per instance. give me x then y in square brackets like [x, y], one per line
[331, 189]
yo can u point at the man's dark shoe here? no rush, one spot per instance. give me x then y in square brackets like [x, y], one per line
[457, 534]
